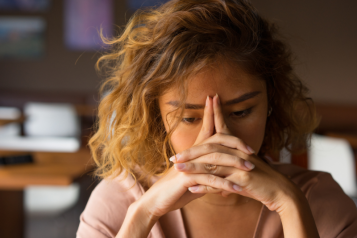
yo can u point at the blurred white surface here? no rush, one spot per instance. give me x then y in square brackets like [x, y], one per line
[11, 129]
[50, 119]
[48, 127]
[9, 113]
[50, 200]
[50, 144]
[336, 157]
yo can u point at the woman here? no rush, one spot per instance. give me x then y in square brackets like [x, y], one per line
[200, 93]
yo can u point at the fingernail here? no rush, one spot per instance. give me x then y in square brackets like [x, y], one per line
[249, 165]
[237, 188]
[218, 99]
[175, 158]
[207, 100]
[180, 166]
[178, 156]
[250, 149]
[193, 188]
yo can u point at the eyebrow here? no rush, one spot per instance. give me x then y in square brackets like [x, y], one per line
[239, 99]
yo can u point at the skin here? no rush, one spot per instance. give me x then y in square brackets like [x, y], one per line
[227, 200]
[245, 120]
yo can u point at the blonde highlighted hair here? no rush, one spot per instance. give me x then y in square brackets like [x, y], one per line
[161, 48]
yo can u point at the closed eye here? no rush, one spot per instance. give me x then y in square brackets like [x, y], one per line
[190, 120]
[237, 114]
[241, 114]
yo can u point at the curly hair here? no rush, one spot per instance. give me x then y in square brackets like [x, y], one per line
[161, 48]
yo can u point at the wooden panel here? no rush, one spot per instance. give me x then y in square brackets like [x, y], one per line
[47, 169]
[7, 121]
[337, 118]
[352, 139]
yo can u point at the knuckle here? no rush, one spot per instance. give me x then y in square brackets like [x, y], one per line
[209, 189]
[212, 179]
[238, 162]
[226, 184]
[213, 190]
[214, 157]
[207, 147]
[191, 167]
[245, 178]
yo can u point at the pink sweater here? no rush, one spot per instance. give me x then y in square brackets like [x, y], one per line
[334, 212]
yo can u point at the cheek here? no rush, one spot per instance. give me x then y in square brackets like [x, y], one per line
[184, 137]
[251, 132]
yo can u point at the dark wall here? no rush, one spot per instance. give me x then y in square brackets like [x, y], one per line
[61, 70]
[323, 34]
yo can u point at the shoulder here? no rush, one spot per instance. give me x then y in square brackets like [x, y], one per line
[303, 178]
[107, 206]
[334, 212]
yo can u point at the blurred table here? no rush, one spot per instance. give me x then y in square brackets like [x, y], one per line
[48, 169]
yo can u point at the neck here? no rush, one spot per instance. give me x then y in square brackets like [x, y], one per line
[231, 200]
[222, 209]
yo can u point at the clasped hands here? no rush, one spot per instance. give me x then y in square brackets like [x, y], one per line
[226, 156]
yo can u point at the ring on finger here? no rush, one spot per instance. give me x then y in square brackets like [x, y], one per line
[210, 167]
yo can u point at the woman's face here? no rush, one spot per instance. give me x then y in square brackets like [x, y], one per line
[244, 105]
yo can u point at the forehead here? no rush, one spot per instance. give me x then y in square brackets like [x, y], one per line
[227, 79]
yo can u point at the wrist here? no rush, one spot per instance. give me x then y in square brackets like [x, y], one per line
[290, 197]
[140, 208]
[292, 202]
[296, 216]
[138, 221]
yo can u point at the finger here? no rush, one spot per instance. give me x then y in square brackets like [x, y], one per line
[215, 143]
[207, 124]
[226, 164]
[204, 189]
[230, 141]
[193, 168]
[219, 122]
[212, 181]
[225, 193]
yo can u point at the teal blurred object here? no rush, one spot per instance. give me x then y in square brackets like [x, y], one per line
[22, 38]
[25, 5]
[136, 4]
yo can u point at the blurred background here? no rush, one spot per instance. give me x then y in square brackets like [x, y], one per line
[49, 94]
